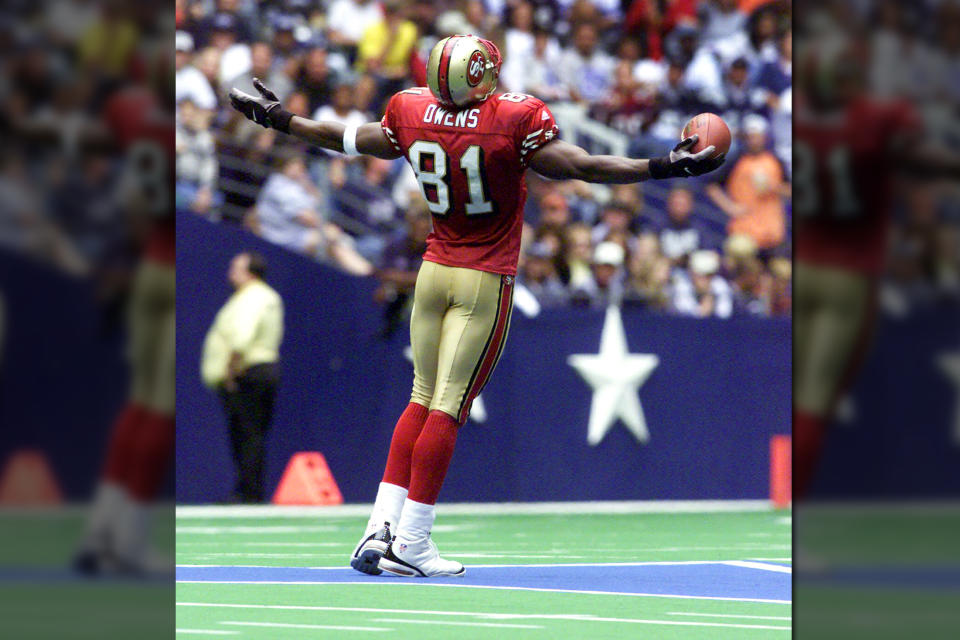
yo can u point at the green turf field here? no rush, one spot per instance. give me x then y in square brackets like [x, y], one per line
[635, 574]
[41, 598]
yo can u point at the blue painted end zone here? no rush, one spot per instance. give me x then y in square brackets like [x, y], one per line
[695, 580]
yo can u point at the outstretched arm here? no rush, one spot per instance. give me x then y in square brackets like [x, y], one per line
[267, 112]
[563, 161]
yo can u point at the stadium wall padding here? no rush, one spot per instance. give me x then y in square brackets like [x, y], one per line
[721, 390]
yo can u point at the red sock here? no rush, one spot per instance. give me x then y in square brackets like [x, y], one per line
[123, 439]
[151, 455]
[808, 432]
[431, 457]
[405, 435]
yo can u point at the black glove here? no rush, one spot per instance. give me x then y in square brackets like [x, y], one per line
[683, 164]
[265, 110]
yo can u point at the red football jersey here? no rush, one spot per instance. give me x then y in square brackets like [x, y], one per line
[146, 134]
[470, 165]
[842, 174]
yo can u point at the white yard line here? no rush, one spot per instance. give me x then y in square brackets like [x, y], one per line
[778, 568]
[488, 615]
[727, 615]
[258, 530]
[263, 544]
[460, 624]
[291, 625]
[472, 586]
[483, 508]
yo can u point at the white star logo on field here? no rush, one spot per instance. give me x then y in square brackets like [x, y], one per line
[616, 376]
[949, 363]
[478, 411]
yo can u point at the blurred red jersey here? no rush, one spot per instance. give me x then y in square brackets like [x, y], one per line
[470, 165]
[842, 176]
[146, 134]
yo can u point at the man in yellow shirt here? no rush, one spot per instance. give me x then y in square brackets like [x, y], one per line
[240, 356]
[386, 48]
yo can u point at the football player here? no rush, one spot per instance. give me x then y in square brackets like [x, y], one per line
[850, 150]
[469, 148]
[141, 126]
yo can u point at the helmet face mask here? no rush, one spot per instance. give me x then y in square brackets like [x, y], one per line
[462, 70]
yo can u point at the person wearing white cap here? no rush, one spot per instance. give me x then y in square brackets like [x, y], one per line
[606, 285]
[702, 293]
[192, 85]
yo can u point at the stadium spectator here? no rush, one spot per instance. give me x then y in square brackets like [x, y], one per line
[286, 48]
[579, 252]
[399, 263]
[721, 19]
[386, 49]
[538, 274]
[207, 61]
[288, 213]
[366, 203]
[775, 76]
[605, 287]
[519, 47]
[587, 70]
[615, 217]
[192, 84]
[755, 189]
[679, 237]
[648, 274]
[540, 74]
[227, 14]
[342, 106]
[315, 79]
[702, 292]
[224, 36]
[240, 359]
[348, 20]
[261, 66]
[197, 166]
[738, 97]
[781, 291]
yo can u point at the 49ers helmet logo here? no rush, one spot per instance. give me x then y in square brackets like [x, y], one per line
[475, 68]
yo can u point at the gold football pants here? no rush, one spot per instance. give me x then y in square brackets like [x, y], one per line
[831, 320]
[458, 327]
[152, 341]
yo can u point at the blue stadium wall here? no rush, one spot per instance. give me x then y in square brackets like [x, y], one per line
[721, 390]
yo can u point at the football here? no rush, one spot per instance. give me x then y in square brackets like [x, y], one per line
[712, 131]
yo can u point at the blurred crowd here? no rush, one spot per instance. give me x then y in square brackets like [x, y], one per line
[60, 167]
[714, 246]
[909, 54]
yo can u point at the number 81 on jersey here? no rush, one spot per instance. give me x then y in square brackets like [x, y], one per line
[432, 166]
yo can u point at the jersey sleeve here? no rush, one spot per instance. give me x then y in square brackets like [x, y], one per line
[390, 119]
[537, 129]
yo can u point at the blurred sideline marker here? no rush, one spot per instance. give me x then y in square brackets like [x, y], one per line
[28, 480]
[780, 471]
[307, 480]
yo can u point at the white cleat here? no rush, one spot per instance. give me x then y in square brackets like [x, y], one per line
[366, 556]
[418, 559]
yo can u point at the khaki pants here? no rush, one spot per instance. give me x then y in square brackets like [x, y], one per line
[152, 329]
[458, 327]
[831, 320]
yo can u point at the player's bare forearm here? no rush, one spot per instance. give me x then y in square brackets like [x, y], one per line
[563, 161]
[329, 135]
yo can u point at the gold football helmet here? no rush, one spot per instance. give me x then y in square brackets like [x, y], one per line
[463, 69]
